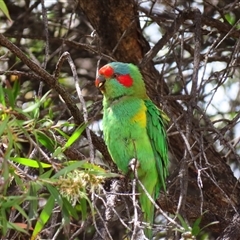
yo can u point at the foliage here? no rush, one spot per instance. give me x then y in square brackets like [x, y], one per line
[30, 198]
[194, 232]
[4, 9]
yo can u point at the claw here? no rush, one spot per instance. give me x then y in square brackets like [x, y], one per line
[134, 164]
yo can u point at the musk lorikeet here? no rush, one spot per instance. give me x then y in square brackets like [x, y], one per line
[134, 127]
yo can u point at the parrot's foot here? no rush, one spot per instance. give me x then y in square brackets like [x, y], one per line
[134, 164]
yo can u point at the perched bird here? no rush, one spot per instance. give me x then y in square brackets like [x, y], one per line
[134, 128]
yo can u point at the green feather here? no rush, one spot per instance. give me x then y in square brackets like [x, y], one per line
[156, 122]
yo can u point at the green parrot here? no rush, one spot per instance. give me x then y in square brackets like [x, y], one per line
[134, 128]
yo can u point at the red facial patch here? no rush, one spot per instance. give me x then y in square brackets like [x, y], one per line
[106, 71]
[125, 80]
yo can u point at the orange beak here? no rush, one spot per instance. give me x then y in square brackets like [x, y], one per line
[99, 82]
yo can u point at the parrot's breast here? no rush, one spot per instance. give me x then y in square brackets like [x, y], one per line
[140, 117]
[125, 133]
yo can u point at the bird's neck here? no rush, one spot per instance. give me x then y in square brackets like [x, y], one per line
[108, 102]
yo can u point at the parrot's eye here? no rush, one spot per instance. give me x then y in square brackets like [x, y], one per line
[115, 75]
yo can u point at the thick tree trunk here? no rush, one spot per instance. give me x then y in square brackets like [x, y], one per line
[203, 180]
[232, 232]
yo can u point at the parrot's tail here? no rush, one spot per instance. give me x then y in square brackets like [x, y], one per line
[148, 212]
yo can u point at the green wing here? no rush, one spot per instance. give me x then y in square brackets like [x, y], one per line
[156, 122]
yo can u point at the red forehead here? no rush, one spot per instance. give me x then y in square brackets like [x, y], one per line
[106, 70]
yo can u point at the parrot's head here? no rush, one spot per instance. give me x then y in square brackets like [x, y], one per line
[117, 79]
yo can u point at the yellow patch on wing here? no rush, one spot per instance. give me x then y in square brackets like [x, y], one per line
[140, 117]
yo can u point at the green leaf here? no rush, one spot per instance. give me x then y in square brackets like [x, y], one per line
[45, 141]
[12, 93]
[11, 201]
[9, 94]
[36, 105]
[5, 175]
[44, 217]
[16, 89]
[30, 162]
[3, 221]
[4, 9]
[33, 204]
[55, 194]
[231, 18]
[210, 224]
[57, 152]
[10, 143]
[75, 136]
[65, 214]
[45, 96]
[67, 206]
[15, 226]
[62, 133]
[17, 179]
[20, 210]
[195, 230]
[2, 96]
[31, 107]
[3, 125]
[91, 166]
[97, 170]
[69, 168]
[183, 223]
[46, 174]
[83, 204]
[195, 227]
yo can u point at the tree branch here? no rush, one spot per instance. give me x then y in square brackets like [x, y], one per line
[52, 82]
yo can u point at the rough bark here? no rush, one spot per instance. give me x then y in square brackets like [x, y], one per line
[114, 20]
[232, 231]
[116, 24]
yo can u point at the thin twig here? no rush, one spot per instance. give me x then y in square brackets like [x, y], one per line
[104, 223]
[79, 230]
[158, 208]
[135, 215]
[53, 164]
[44, 65]
[80, 96]
[40, 73]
